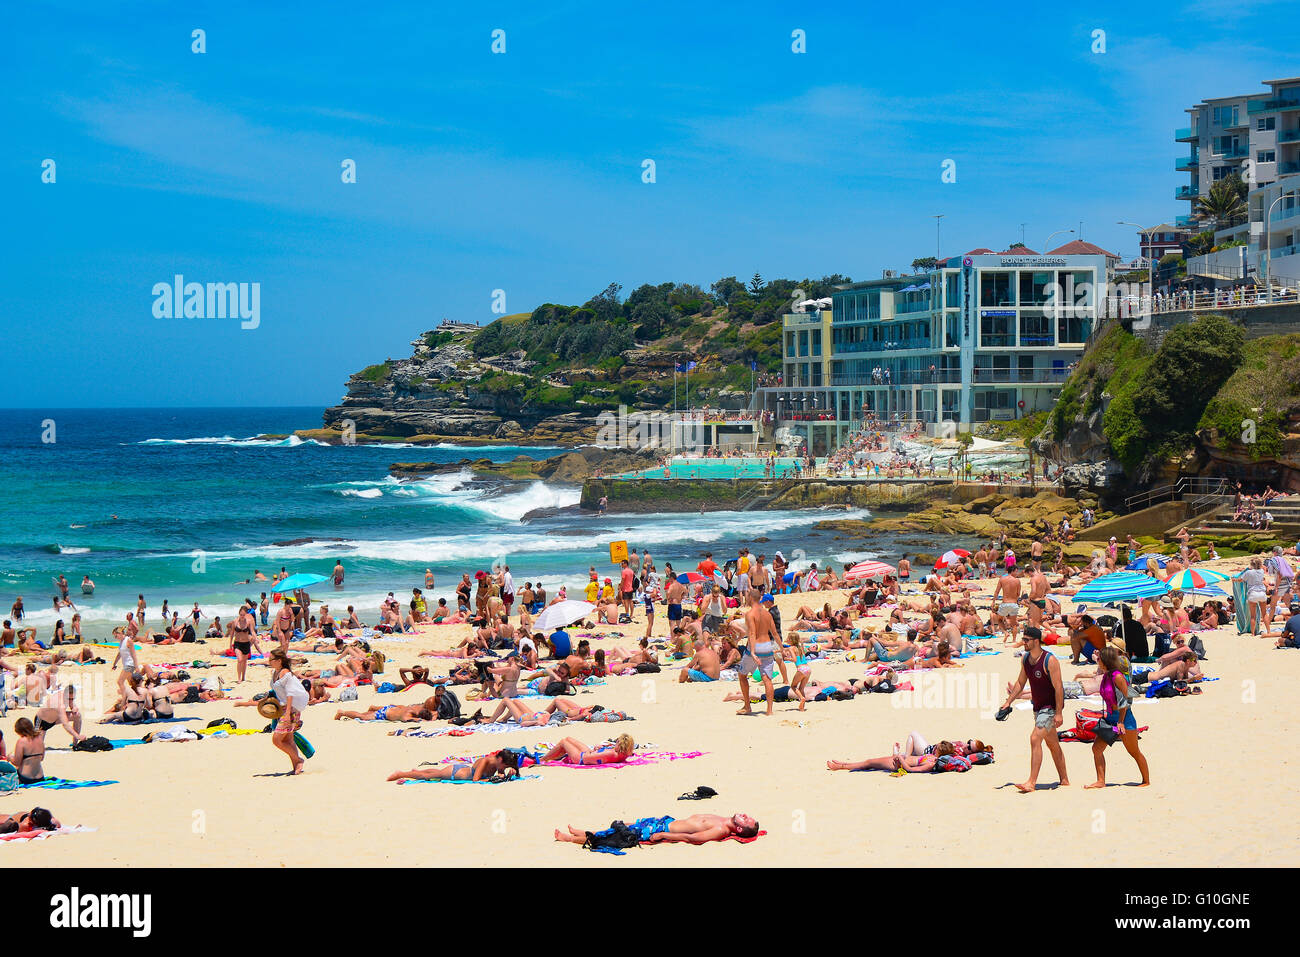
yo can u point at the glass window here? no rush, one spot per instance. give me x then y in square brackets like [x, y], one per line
[995, 289]
[1034, 287]
[803, 343]
[789, 343]
[1035, 330]
[1073, 328]
[817, 342]
[995, 331]
[1265, 156]
[1265, 123]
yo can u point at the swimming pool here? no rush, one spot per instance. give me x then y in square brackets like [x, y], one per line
[717, 468]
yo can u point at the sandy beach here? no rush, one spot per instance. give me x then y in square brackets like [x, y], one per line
[1219, 764]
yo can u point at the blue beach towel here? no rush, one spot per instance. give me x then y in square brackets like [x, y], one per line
[64, 784]
[522, 777]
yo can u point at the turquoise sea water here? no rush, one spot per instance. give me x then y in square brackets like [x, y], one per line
[186, 481]
[716, 468]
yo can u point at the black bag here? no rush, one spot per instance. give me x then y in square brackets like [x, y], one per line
[617, 835]
[448, 705]
[218, 722]
[94, 743]
[647, 668]
[555, 688]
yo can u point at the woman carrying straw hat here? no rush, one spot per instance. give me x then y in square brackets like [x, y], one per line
[293, 699]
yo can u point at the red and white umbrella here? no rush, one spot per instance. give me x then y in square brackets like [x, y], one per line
[950, 556]
[870, 570]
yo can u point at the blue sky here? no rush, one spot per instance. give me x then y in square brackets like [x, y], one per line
[522, 171]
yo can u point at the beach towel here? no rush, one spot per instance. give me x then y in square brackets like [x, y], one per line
[637, 759]
[732, 837]
[65, 784]
[510, 780]
[42, 835]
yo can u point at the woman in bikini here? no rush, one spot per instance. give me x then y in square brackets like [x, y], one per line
[37, 819]
[485, 767]
[916, 756]
[243, 637]
[28, 752]
[573, 751]
[134, 706]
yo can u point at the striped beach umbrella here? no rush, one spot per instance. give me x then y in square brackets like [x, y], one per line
[950, 556]
[1121, 586]
[1139, 564]
[1190, 578]
[869, 569]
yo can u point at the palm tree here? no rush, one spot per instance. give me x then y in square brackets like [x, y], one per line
[1200, 244]
[1224, 206]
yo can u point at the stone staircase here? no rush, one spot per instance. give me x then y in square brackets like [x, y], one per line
[1286, 520]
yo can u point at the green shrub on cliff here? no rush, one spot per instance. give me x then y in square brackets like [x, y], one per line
[1262, 391]
[376, 373]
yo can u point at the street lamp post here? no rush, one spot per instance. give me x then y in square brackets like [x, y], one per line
[937, 244]
[1053, 236]
[1151, 259]
[1268, 272]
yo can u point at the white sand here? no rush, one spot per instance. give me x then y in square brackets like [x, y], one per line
[1222, 793]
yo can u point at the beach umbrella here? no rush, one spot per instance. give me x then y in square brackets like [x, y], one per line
[690, 578]
[1190, 578]
[1139, 564]
[950, 556]
[1120, 586]
[869, 570]
[300, 580]
[562, 613]
[1208, 591]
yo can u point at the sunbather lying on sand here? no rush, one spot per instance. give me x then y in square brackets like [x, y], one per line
[389, 712]
[696, 829]
[484, 768]
[915, 755]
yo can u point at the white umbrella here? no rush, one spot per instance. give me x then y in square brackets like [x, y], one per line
[562, 613]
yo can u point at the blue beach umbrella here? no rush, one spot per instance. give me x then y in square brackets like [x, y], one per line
[1139, 564]
[1120, 586]
[300, 580]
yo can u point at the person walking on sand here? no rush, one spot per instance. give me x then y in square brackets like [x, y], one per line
[762, 652]
[126, 654]
[1043, 672]
[293, 699]
[1119, 714]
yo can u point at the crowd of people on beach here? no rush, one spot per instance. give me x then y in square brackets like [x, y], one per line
[720, 624]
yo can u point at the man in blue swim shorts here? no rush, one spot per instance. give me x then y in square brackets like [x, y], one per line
[705, 666]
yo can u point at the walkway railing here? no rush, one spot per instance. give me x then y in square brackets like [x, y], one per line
[1137, 307]
[1194, 485]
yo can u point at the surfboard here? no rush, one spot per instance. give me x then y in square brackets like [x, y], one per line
[1239, 604]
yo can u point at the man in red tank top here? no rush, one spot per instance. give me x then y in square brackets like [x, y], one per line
[1043, 672]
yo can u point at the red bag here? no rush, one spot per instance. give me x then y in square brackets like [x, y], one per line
[1085, 724]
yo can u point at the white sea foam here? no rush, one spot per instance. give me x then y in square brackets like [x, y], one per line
[290, 442]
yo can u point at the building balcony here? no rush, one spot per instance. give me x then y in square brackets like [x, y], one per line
[1186, 221]
[1288, 136]
[1184, 163]
[1290, 101]
[1287, 169]
[984, 376]
[1186, 192]
[1185, 134]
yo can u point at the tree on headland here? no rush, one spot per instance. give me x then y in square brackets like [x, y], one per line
[727, 289]
[924, 263]
[755, 284]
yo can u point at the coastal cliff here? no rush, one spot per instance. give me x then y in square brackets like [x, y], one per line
[543, 378]
[1203, 397]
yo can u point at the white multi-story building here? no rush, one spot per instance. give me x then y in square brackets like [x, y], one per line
[982, 336]
[1258, 137]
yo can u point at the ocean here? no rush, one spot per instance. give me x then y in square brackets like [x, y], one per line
[185, 504]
